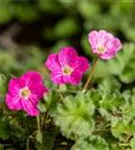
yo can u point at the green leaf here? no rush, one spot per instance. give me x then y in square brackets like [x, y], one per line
[51, 100]
[112, 101]
[42, 107]
[4, 129]
[129, 109]
[39, 136]
[90, 143]
[107, 100]
[74, 116]
[48, 141]
[132, 142]
[122, 128]
[110, 84]
[95, 96]
[114, 147]
[101, 70]
[2, 84]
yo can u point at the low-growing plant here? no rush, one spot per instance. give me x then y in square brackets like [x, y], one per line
[72, 112]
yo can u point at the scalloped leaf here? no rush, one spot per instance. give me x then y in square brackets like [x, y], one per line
[122, 128]
[107, 100]
[90, 143]
[74, 116]
[110, 83]
[112, 101]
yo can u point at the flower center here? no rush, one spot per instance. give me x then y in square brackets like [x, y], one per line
[67, 70]
[25, 92]
[101, 49]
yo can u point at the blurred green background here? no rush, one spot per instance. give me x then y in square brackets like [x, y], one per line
[31, 29]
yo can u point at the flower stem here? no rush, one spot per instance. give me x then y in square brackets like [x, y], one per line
[38, 123]
[39, 136]
[27, 144]
[91, 73]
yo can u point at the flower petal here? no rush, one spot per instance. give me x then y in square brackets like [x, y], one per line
[103, 36]
[52, 62]
[117, 44]
[57, 77]
[106, 41]
[113, 46]
[108, 55]
[14, 86]
[67, 79]
[76, 77]
[81, 64]
[13, 102]
[93, 39]
[31, 79]
[29, 107]
[38, 90]
[67, 56]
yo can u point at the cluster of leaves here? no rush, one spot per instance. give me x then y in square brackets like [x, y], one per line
[97, 119]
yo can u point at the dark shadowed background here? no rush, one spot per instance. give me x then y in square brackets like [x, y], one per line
[29, 29]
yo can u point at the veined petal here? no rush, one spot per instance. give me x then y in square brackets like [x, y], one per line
[57, 77]
[25, 93]
[67, 79]
[104, 44]
[38, 89]
[52, 62]
[67, 56]
[29, 107]
[13, 102]
[14, 86]
[117, 44]
[75, 77]
[31, 77]
[93, 38]
[108, 55]
[81, 64]
[103, 36]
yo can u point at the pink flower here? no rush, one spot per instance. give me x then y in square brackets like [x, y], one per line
[25, 92]
[67, 66]
[104, 44]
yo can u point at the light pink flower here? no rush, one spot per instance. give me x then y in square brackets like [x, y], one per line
[25, 92]
[66, 66]
[104, 44]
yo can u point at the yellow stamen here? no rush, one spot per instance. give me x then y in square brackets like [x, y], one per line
[101, 49]
[25, 92]
[67, 70]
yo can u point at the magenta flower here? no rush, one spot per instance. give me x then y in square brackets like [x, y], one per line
[104, 44]
[67, 66]
[25, 92]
